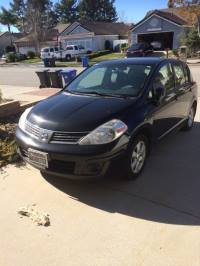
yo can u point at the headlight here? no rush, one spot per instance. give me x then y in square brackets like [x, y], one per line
[106, 133]
[23, 117]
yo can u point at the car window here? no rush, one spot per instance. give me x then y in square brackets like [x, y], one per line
[70, 48]
[75, 47]
[164, 78]
[115, 79]
[179, 74]
[45, 50]
[56, 49]
[51, 50]
[187, 73]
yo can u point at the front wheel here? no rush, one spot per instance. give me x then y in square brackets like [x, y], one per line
[137, 156]
[68, 57]
[190, 121]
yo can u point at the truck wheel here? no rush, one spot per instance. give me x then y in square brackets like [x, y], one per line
[68, 57]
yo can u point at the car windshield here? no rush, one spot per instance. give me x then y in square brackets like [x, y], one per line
[111, 80]
[136, 46]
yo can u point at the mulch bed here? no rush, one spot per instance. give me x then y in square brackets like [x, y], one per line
[8, 153]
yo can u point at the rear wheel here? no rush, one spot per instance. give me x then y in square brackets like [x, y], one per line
[68, 57]
[190, 121]
[137, 156]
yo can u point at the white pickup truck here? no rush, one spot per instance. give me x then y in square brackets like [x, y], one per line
[70, 52]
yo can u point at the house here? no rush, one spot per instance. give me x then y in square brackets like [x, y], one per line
[7, 39]
[160, 26]
[94, 35]
[50, 38]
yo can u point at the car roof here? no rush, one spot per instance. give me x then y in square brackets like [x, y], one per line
[137, 61]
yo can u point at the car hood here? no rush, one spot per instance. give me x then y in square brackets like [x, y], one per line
[77, 113]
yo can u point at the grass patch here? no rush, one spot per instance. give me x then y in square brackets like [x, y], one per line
[107, 57]
[32, 61]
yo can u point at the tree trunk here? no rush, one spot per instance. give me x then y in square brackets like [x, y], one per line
[11, 41]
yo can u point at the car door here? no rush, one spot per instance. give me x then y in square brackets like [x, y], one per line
[184, 92]
[163, 114]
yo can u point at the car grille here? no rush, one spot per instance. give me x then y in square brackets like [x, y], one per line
[66, 137]
[55, 137]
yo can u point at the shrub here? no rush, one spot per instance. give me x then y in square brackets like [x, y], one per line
[108, 45]
[31, 54]
[11, 57]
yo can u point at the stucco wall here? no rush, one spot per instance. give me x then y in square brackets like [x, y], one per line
[4, 42]
[99, 41]
[156, 24]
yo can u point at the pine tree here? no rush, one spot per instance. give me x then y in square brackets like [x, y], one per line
[8, 19]
[99, 10]
[18, 7]
[66, 11]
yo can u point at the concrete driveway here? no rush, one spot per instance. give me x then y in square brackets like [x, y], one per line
[152, 221]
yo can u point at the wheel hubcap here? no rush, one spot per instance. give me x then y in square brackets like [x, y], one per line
[138, 157]
[191, 117]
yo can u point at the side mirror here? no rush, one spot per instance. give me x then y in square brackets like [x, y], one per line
[159, 94]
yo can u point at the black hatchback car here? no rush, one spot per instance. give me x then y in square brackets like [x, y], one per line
[113, 110]
[140, 50]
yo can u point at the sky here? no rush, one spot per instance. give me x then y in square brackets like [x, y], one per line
[130, 10]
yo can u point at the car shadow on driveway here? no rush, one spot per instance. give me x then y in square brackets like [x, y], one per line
[168, 191]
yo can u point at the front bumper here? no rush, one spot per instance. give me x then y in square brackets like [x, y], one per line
[73, 160]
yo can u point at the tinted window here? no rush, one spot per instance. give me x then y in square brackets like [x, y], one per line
[56, 49]
[112, 79]
[187, 73]
[179, 74]
[46, 50]
[70, 48]
[51, 50]
[164, 78]
[75, 47]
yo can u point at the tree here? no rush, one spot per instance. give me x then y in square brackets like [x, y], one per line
[99, 10]
[191, 39]
[8, 19]
[39, 18]
[18, 7]
[66, 11]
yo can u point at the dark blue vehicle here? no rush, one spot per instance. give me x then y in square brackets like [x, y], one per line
[113, 110]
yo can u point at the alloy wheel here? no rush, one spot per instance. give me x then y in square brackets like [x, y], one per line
[138, 156]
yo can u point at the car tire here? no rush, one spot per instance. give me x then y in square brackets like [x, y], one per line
[190, 121]
[68, 57]
[136, 157]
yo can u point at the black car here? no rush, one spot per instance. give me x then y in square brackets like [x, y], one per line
[140, 50]
[114, 110]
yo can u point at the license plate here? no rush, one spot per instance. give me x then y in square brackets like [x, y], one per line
[38, 158]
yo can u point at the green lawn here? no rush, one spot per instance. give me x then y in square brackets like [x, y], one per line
[32, 61]
[77, 64]
[107, 57]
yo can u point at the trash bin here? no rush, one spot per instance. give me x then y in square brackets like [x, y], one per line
[85, 61]
[44, 78]
[56, 79]
[68, 75]
[52, 62]
[46, 62]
